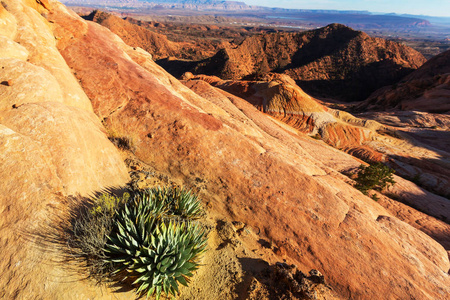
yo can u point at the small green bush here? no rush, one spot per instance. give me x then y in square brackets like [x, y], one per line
[106, 204]
[376, 176]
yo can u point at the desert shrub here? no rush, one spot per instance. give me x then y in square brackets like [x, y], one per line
[374, 197]
[122, 142]
[376, 176]
[106, 204]
[120, 137]
[416, 179]
[150, 240]
[316, 136]
[88, 233]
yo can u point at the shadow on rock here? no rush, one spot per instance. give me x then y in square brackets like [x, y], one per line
[57, 237]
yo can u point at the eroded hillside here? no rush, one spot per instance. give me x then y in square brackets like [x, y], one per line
[331, 62]
[426, 89]
[252, 171]
[418, 152]
[334, 61]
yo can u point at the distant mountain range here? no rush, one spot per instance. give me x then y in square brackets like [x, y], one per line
[186, 4]
[356, 19]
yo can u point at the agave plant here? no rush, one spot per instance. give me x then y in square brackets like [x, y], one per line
[186, 204]
[155, 254]
[176, 202]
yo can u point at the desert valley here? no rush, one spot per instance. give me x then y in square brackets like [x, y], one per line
[317, 143]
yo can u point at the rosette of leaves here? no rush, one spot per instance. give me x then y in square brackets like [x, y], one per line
[152, 253]
[175, 202]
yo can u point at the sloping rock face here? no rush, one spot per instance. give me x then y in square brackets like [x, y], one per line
[418, 107]
[409, 153]
[27, 32]
[136, 36]
[334, 61]
[426, 89]
[248, 165]
[280, 97]
[51, 146]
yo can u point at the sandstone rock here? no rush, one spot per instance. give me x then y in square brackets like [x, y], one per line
[437, 229]
[49, 149]
[334, 61]
[426, 89]
[31, 84]
[10, 49]
[41, 46]
[84, 159]
[30, 188]
[254, 169]
[7, 82]
[269, 175]
[8, 23]
[409, 154]
[281, 98]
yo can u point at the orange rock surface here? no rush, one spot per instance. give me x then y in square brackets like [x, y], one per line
[410, 154]
[136, 36]
[250, 165]
[51, 146]
[252, 169]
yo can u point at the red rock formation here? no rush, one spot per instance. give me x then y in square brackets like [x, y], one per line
[410, 155]
[253, 169]
[51, 146]
[250, 166]
[281, 98]
[136, 36]
[426, 89]
[333, 61]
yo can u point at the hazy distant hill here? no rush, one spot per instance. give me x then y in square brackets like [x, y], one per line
[301, 18]
[184, 4]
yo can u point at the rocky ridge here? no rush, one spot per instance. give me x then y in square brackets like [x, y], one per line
[136, 36]
[427, 89]
[241, 162]
[279, 96]
[356, 65]
[334, 61]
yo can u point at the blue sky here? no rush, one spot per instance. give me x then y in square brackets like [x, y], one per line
[416, 7]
